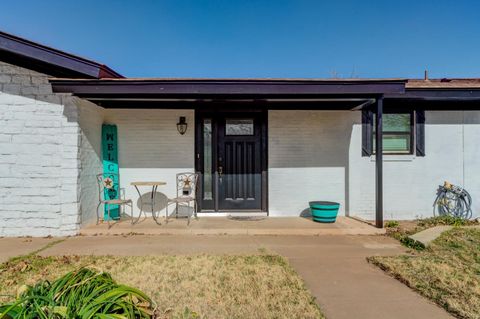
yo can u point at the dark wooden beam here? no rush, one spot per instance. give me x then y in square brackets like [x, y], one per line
[227, 105]
[440, 94]
[379, 163]
[446, 104]
[224, 88]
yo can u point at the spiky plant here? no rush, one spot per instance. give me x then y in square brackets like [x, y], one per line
[80, 294]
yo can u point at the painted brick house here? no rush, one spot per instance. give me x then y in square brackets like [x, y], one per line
[260, 145]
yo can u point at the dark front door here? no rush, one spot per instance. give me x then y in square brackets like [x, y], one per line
[239, 163]
[232, 161]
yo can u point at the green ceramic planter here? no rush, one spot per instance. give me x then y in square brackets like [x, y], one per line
[324, 212]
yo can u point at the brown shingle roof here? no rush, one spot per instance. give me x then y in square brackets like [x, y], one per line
[472, 83]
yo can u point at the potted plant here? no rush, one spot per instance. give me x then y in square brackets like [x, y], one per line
[324, 212]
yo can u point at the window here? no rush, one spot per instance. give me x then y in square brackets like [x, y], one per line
[239, 127]
[397, 133]
[207, 159]
[403, 132]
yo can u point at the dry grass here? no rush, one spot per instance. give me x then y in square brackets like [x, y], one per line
[447, 272]
[258, 286]
[401, 230]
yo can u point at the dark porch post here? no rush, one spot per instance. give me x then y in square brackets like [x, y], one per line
[379, 163]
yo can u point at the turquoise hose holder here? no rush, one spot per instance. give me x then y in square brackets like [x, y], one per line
[324, 212]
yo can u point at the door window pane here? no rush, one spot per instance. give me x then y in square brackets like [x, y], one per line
[239, 127]
[207, 159]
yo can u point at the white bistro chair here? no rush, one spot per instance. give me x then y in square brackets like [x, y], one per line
[186, 195]
[106, 184]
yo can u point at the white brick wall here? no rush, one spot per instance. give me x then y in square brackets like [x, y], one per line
[50, 152]
[150, 149]
[317, 155]
[410, 182]
[308, 159]
[90, 120]
[471, 163]
[38, 156]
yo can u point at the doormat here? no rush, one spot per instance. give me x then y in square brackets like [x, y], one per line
[247, 218]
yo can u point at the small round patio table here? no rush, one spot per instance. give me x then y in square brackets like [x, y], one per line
[154, 186]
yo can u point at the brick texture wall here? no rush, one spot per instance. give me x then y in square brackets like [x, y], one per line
[151, 149]
[50, 152]
[308, 159]
[316, 155]
[39, 157]
[90, 119]
[410, 182]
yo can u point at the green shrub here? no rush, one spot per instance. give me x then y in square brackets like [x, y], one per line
[445, 220]
[81, 294]
[411, 243]
[391, 224]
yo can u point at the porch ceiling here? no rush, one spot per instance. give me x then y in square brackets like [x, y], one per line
[193, 93]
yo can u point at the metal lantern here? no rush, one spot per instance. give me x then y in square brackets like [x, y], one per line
[182, 125]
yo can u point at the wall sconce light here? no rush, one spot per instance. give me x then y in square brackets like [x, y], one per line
[182, 125]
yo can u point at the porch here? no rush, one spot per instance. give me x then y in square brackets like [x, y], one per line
[253, 225]
[268, 146]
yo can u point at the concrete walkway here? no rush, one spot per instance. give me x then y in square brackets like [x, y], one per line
[225, 226]
[12, 247]
[425, 237]
[333, 267]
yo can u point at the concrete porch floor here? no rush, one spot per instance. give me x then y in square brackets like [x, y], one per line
[228, 226]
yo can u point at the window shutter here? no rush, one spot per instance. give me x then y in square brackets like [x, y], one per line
[420, 132]
[367, 125]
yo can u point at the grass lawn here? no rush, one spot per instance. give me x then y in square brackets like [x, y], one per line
[401, 230]
[256, 286]
[447, 272]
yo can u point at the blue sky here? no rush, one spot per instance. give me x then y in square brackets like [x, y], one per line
[311, 39]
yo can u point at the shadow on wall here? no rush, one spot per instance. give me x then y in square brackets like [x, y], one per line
[149, 138]
[90, 119]
[309, 158]
[308, 153]
[150, 148]
[306, 213]
[310, 138]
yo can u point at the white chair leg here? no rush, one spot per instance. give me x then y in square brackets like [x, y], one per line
[131, 213]
[108, 220]
[195, 208]
[98, 213]
[166, 214]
